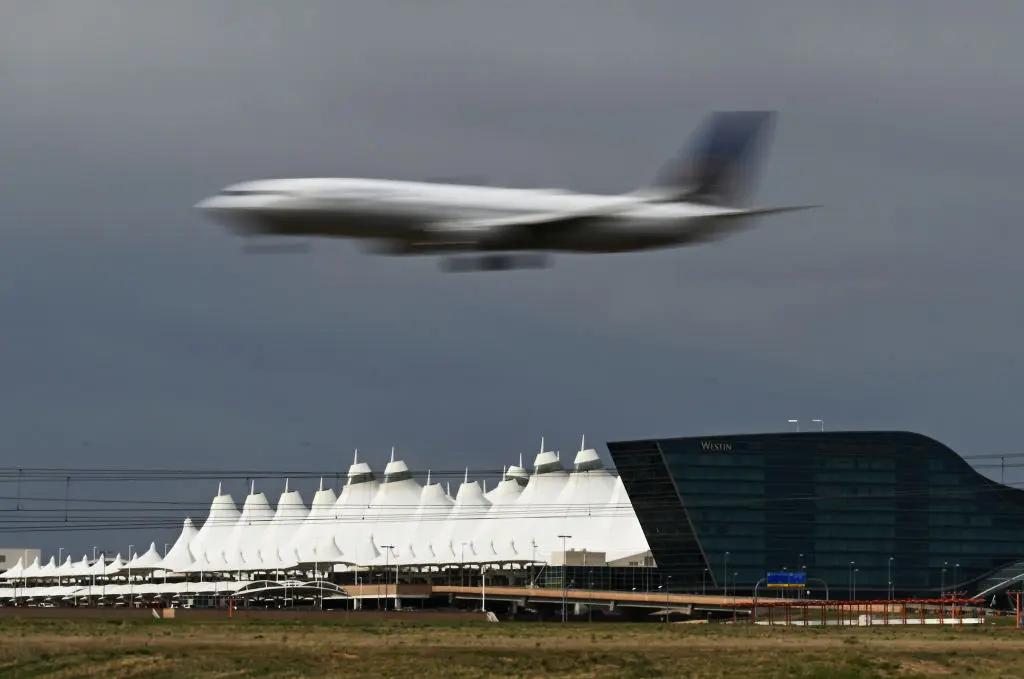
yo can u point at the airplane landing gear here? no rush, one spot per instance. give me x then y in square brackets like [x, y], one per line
[494, 263]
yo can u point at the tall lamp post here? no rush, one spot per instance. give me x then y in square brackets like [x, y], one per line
[956, 568]
[483, 587]
[796, 422]
[725, 573]
[820, 423]
[387, 553]
[131, 588]
[851, 593]
[890, 588]
[564, 538]
[942, 590]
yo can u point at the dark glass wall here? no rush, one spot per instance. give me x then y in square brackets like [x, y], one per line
[856, 510]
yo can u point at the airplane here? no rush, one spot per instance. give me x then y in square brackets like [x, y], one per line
[696, 198]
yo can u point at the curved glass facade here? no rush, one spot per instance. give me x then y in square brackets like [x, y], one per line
[856, 510]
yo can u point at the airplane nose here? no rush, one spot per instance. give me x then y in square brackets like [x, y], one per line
[211, 203]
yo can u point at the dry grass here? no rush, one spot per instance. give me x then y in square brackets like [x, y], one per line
[337, 647]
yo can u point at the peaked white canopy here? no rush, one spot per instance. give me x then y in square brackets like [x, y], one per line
[396, 521]
[14, 571]
[149, 561]
[178, 558]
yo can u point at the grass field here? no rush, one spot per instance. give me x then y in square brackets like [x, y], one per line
[336, 647]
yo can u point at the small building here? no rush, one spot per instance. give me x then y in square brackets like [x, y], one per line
[9, 556]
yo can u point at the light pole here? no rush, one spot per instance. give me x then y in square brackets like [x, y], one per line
[850, 592]
[668, 585]
[942, 590]
[796, 422]
[821, 423]
[590, 607]
[131, 589]
[725, 573]
[462, 566]
[483, 587]
[387, 553]
[956, 568]
[165, 557]
[890, 588]
[704, 582]
[60, 555]
[855, 571]
[563, 538]
[734, 577]
[803, 569]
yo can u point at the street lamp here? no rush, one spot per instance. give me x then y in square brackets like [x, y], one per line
[387, 553]
[942, 590]
[131, 589]
[668, 585]
[821, 423]
[956, 567]
[890, 588]
[564, 594]
[850, 594]
[704, 582]
[725, 573]
[734, 577]
[796, 422]
[462, 566]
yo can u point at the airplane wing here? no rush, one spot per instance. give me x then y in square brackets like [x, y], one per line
[510, 229]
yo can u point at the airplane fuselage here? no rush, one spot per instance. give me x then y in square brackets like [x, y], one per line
[411, 217]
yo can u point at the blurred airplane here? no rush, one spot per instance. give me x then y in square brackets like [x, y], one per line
[696, 198]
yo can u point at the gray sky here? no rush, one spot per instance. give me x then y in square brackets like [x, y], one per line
[136, 333]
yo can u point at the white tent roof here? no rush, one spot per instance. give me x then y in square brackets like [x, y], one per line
[288, 518]
[207, 547]
[394, 509]
[115, 566]
[536, 530]
[65, 569]
[148, 561]
[14, 571]
[178, 558]
[515, 521]
[495, 535]
[353, 513]
[584, 501]
[316, 528]
[434, 507]
[81, 567]
[623, 525]
[31, 570]
[243, 545]
[49, 570]
[101, 567]
[470, 506]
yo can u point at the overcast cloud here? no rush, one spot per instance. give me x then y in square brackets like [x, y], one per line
[136, 333]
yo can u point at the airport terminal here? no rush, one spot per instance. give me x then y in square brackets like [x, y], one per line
[695, 526]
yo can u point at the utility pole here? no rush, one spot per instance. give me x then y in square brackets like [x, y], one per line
[564, 560]
[386, 555]
[890, 588]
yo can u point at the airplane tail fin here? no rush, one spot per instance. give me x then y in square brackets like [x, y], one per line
[719, 165]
